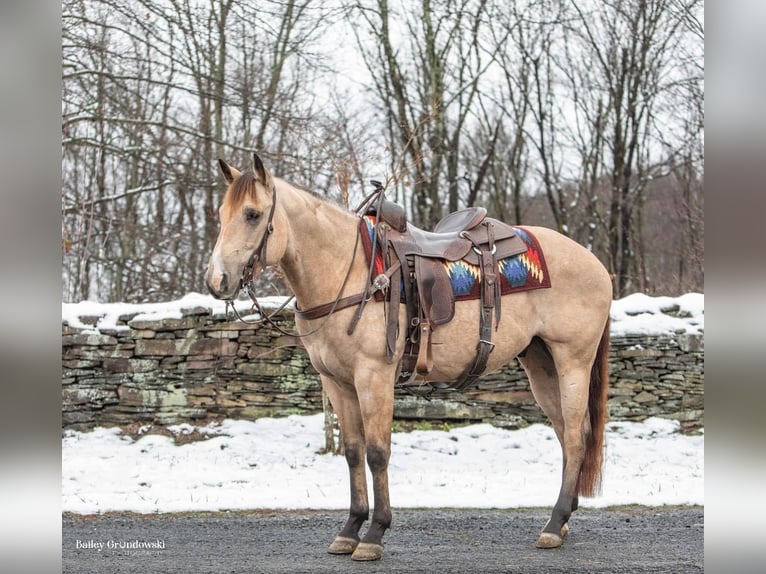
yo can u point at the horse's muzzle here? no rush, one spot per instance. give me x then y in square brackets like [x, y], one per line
[220, 291]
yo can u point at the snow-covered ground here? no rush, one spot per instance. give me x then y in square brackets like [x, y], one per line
[274, 463]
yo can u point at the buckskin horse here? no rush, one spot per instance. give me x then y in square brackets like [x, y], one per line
[364, 336]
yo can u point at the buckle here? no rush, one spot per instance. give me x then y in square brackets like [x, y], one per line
[490, 343]
[491, 251]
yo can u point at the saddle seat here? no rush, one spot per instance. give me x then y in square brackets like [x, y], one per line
[446, 241]
[461, 220]
[456, 234]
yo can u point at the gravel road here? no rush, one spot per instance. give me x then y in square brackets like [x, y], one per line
[629, 539]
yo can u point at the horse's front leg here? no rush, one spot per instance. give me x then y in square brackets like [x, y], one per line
[375, 390]
[346, 404]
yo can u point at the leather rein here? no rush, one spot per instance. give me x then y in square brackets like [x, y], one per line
[325, 310]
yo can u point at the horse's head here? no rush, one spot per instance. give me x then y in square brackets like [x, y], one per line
[253, 229]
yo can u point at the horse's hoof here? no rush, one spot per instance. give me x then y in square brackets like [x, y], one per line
[549, 540]
[343, 545]
[367, 551]
[565, 530]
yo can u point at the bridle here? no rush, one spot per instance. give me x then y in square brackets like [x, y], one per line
[259, 256]
[259, 253]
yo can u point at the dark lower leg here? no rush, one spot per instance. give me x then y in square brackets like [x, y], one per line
[360, 508]
[562, 511]
[567, 501]
[377, 459]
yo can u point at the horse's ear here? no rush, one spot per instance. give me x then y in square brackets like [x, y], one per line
[229, 172]
[260, 169]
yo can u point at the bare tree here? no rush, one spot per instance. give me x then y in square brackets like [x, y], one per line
[632, 43]
[582, 116]
[152, 93]
[427, 85]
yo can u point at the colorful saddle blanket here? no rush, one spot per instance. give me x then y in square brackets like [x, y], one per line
[523, 272]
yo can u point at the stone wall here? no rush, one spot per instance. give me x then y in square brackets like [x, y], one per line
[199, 367]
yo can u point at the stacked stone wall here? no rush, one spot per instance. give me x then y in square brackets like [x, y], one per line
[201, 367]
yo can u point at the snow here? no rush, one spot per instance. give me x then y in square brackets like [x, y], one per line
[109, 314]
[640, 314]
[636, 314]
[274, 464]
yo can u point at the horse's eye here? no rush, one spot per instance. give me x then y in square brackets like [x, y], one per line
[251, 215]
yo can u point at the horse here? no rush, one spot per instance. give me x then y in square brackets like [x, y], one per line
[560, 336]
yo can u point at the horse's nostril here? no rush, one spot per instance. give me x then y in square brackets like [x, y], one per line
[224, 282]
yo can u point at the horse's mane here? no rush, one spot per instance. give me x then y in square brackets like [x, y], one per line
[244, 188]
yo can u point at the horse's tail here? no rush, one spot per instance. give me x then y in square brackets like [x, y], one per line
[589, 483]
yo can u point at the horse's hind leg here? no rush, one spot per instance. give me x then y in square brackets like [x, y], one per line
[573, 367]
[346, 404]
[544, 382]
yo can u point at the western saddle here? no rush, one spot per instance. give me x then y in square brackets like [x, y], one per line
[424, 286]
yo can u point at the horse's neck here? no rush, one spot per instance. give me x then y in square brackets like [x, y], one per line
[319, 249]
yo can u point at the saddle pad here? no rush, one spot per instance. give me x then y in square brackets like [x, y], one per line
[368, 231]
[523, 272]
